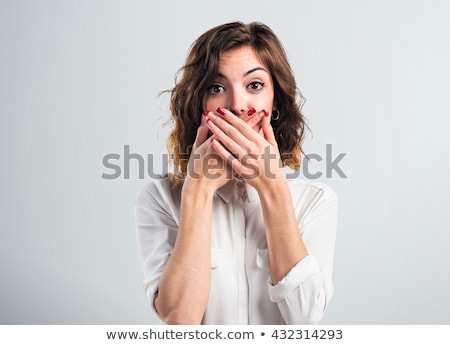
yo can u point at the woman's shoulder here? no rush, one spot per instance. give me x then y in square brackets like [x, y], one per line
[158, 189]
[311, 189]
[312, 199]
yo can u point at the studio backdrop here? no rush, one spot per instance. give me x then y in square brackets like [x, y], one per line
[83, 129]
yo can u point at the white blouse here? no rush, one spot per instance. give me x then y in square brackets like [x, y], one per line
[241, 291]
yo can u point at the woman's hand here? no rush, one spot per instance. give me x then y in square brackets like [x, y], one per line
[205, 165]
[252, 154]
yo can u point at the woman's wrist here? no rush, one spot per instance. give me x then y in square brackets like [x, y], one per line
[270, 182]
[198, 187]
[274, 190]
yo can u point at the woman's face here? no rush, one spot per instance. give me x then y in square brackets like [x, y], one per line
[242, 83]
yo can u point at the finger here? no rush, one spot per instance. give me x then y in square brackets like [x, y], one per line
[268, 131]
[233, 126]
[202, 131]
[254, 120]
[230, 159]
[225, 136]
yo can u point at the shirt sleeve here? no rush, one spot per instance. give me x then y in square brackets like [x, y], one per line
[305, 292]
[156, 228]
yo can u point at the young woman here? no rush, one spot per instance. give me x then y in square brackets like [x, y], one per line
[228, 239]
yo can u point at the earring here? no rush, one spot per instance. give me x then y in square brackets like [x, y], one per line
[275, 114]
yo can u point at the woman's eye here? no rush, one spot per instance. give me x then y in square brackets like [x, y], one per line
[214, 89]
[256, 85]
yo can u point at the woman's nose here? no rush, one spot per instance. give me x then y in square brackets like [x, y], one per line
[237, 103]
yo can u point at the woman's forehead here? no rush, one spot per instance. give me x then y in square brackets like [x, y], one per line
[241, 60]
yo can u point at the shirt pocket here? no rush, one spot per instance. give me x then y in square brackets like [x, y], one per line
[216, 257]
[262, 258]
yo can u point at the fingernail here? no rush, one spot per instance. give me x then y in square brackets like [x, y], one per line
[205, 112]
[251, 111]
[265, 113]
[221, 111]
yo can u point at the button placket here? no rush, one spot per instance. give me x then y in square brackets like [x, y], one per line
[240, 245]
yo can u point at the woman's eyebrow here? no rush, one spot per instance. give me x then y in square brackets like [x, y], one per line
[254, 70]
[220, 75]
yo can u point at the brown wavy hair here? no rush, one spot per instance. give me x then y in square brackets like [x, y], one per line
[199, 72]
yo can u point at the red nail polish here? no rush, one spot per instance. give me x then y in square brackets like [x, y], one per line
[208, 119]
[220, 111]
[205, 112]
[212, 140]
[265, 113]
[251, 111]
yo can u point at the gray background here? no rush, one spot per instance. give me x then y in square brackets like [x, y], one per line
[80, 79]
